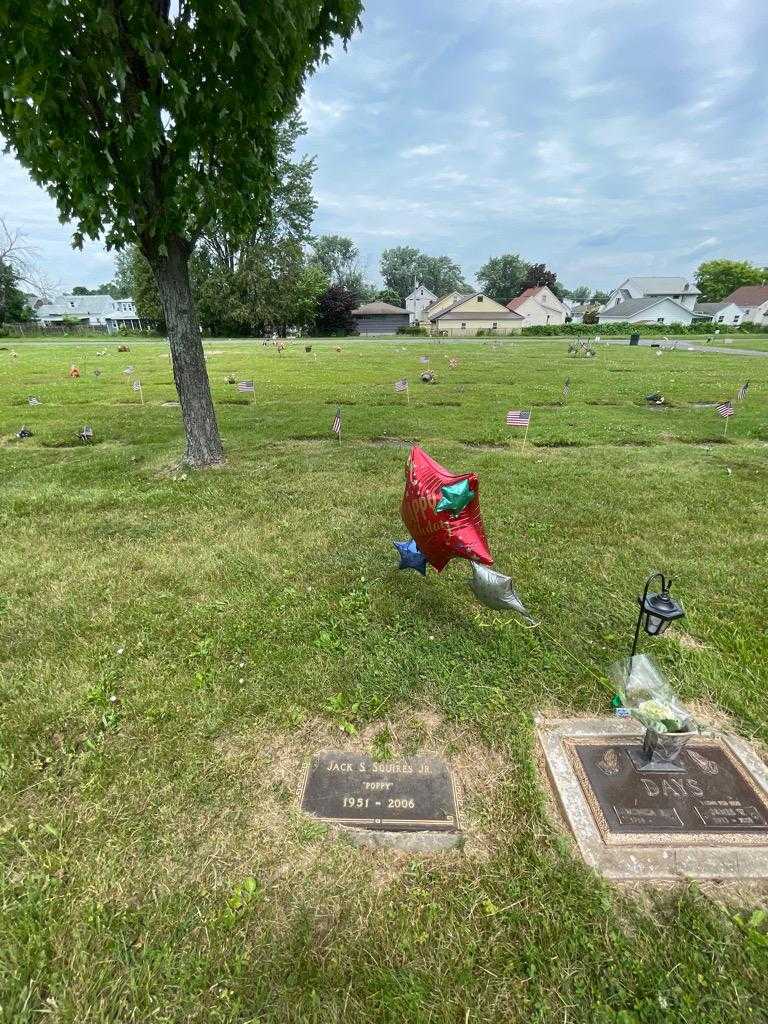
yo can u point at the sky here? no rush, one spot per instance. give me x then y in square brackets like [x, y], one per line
[605, 138]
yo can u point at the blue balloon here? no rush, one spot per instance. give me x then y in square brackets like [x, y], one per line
[410, 556]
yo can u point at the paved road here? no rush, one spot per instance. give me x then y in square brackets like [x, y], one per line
[692, 346]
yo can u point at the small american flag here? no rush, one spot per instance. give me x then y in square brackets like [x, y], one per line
[401, 385]
[246, 386]
[336, 425]
[33, 401]
[742, 392]
[424, 360]
[86, 433]
[518, 417]
[567, 387]
[725, 409]
[453, 363]
[136, 385]
[128, 370]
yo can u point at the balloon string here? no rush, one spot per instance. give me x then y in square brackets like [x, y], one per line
[582, 664]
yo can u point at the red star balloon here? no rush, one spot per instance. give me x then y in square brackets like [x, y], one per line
[441, 536]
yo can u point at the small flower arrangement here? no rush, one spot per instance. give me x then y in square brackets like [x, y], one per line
[663, 717]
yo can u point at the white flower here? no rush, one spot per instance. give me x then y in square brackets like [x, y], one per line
[121, 650]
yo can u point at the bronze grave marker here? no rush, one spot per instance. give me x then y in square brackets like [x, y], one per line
[711, 799]
[404, 794]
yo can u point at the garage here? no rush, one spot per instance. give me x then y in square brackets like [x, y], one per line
[379, 318]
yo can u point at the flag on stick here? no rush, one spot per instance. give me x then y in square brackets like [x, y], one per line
[246, 386]
[137, 387]
[33, 401]
[424, 360]
[742, 392]
[566, 389]
[336, 425]
[725, 409]
[520, 418]
[401, 385]
[128, 370]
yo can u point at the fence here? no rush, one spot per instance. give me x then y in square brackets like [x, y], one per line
[36, 329]
[485, 332]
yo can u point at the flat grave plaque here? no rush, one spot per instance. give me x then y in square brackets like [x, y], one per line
[711, 796]
[401, 795]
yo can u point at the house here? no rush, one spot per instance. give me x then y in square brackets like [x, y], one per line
[379, 318]
[727, 313]
[753, 300]
[649, 310]
[470, 314]
[538, 306]
[94, 310]
[675, 288]
[440, 304]
[418, 300]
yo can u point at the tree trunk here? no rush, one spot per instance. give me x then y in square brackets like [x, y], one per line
[189, 371]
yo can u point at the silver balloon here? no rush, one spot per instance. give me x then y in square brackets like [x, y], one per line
[495, 590]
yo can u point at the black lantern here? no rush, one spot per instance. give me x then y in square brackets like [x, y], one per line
[657, 610]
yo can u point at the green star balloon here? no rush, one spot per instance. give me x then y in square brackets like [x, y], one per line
[455, 497]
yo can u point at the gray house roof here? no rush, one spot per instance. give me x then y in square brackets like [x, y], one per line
[629, 307]
[710, 308]
[378, 309]
[664, 285]
[83, 306]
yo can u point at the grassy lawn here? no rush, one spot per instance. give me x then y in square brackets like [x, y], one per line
[174, 646]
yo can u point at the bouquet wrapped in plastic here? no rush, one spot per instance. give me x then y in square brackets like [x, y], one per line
[649, 697]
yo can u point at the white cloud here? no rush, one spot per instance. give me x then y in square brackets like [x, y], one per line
[425, 150]
[320, 114]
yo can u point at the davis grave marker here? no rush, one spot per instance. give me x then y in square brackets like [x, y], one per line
[398, 795]
[708, 794]
[705, 817]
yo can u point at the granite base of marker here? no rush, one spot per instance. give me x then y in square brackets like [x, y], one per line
[408, 842]
[621, 846]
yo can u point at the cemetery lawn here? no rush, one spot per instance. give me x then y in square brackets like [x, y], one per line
[174, 646]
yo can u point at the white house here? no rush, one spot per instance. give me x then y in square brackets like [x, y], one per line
[675, 288]
[753, 301]
[95, 310]
[727, 313]
[648, 310]
[418, 300]
[472, 313]
[538, 307]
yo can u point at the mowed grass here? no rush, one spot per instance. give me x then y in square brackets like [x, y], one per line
[175, 645]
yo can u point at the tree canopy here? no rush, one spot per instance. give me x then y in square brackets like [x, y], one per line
[334, 315]
[716, 279]
[539, 276]
[404, 265]
[13, 304]
[149, 122]
[501, 278]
